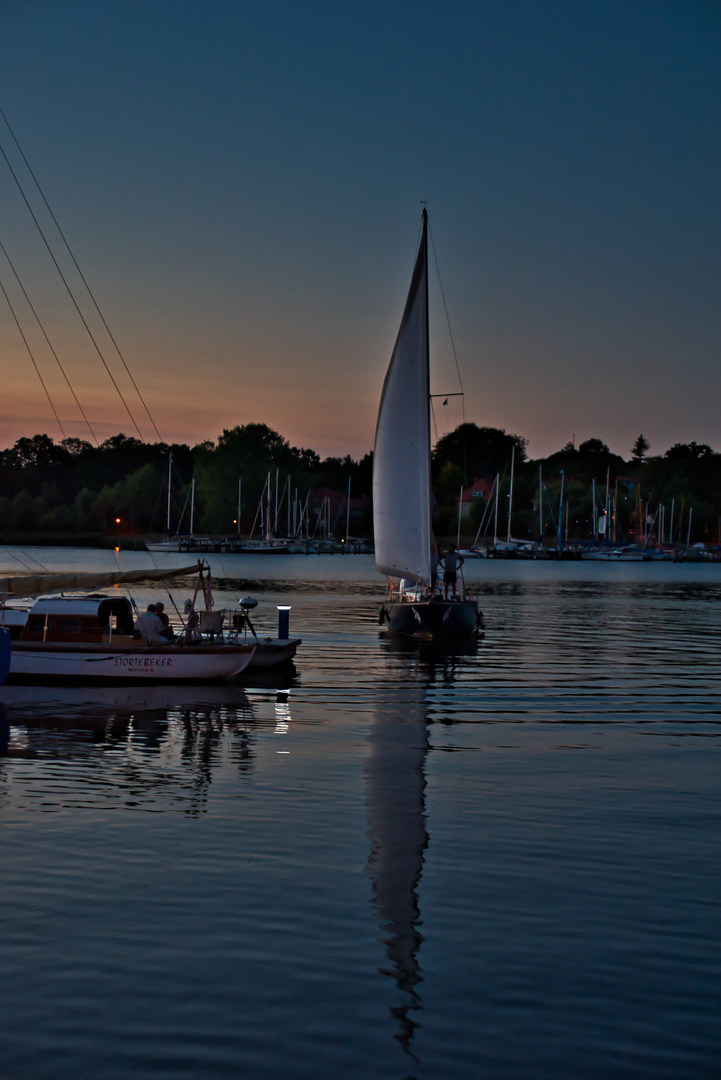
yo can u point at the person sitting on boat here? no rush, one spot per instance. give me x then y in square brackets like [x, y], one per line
[166, 632]
[150, 626]
[451, 562]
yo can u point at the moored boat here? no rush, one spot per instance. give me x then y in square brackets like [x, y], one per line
[619, 554]
[91, 638]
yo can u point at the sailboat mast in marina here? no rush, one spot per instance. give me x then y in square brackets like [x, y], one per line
[402, 479]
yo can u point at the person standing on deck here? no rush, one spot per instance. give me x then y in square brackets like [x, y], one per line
[451, 562]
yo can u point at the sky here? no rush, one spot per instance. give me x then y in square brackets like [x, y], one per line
[241, 186]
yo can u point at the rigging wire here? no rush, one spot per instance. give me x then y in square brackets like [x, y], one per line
[82, 276]
[34, 362]
[448, 322]
[69, 290]
[25, 564]
[70, 294]
[52, 350]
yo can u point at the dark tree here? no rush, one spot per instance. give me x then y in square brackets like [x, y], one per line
[477, 451]
[640, 448]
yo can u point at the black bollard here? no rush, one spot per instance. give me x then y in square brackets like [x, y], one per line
[283, 621]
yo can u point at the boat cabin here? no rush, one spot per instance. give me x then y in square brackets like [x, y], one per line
[95, 618]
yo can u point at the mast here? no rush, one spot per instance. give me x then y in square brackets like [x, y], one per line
[540, 504]
[615, 504]
[495, 518]
[608, 485]
[510, 492]
[347, 514]
[424, 257]
[170, 483]
[460, 510]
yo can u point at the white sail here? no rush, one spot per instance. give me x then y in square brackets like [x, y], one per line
[401, 462]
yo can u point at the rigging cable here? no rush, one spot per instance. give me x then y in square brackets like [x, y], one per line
[52, 350]
[70, 294]
[448, 321]
[85, 283]
[25, 564]
[30, 354]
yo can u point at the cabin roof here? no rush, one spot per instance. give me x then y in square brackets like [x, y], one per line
[77, 605]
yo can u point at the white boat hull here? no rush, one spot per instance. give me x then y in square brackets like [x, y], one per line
[109, 663]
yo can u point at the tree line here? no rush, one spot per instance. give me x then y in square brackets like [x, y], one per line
[119, 488]
[643, 495]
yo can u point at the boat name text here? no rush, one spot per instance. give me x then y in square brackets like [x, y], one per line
[143, 661]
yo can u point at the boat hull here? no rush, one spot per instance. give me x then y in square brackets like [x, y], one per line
[618, 555]
[36, 661]
[430, 620]
[272, 652]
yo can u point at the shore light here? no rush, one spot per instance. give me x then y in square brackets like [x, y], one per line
[283, 620]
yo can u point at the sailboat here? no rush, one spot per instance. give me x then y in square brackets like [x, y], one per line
[91, 638]
[402, 481]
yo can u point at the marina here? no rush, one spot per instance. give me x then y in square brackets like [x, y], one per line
[490, 858]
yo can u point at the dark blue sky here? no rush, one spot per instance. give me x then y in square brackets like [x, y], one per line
[241, 184]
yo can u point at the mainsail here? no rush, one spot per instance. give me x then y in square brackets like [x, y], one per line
[38, 584]
[401, 457]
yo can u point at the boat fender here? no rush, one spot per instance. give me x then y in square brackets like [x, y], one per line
[383, 616]
[5, 655]
[480, 621]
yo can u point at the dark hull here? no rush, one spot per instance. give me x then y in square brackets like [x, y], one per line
[431, 620]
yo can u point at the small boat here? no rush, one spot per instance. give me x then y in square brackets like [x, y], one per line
[402, 481]
[91, 638]
[231, 625]
[619, 554]
[187, 542]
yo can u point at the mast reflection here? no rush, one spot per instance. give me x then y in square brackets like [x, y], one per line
[395, 799]
[396, 810]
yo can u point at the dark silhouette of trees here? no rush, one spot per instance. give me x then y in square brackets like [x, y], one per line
[477, 451]
[73, 487]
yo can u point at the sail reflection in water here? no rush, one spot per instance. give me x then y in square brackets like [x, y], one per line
[395, 798]
[144, 748]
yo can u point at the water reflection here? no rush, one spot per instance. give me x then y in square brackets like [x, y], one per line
[146, 748]
[395, 799]
[405, 699]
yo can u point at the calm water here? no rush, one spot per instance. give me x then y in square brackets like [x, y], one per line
[498, 864]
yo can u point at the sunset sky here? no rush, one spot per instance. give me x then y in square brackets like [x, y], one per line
[241, 184]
